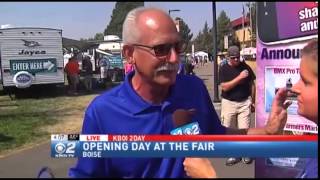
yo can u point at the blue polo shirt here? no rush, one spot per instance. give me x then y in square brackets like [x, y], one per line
[310, 170]
[122, 111]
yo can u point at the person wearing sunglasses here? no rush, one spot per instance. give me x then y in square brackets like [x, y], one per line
[146, 101]
[238, 95]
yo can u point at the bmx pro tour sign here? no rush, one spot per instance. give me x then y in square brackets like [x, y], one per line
[34, 66]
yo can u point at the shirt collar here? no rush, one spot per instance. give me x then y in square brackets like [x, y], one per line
[136, 104]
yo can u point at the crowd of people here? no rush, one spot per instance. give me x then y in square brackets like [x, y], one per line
[73, 72]
[84, 77]
[190, 64]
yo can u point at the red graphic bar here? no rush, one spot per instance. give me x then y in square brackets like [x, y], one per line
[212, 137]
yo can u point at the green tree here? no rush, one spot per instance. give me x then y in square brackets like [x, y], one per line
[252, 9]
[119, 13]
[223, 29]
[197, 42]
[206, 39]
[98, 36]
[185, 33]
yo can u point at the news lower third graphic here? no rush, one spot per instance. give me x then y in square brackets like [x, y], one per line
[104, 146]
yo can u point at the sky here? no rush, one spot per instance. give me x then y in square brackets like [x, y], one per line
[85, 19]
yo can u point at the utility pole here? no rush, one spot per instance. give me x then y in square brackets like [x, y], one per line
[214, 55]
[251, 26]
[243, 21]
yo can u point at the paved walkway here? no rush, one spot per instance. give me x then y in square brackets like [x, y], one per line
[27, 163]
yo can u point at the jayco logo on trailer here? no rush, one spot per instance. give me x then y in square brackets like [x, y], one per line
[31, 44]
[22, 79]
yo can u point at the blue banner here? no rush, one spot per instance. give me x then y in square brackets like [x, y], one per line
[104, 149]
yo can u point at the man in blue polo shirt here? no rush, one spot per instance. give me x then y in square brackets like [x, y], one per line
[145, 102]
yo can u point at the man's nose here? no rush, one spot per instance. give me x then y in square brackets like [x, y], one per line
[173, 56]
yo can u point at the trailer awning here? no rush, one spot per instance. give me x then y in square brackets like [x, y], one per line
[103, 52]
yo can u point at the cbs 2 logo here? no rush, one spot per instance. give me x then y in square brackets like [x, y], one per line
[68, 148]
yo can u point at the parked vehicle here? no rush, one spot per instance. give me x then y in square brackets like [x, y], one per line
[31, 56]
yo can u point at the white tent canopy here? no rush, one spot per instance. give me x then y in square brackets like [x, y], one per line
[201, 55]
[248, 51]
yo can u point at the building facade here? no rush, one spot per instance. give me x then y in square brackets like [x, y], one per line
[242, 29]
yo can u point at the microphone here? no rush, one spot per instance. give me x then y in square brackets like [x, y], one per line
[182, 120]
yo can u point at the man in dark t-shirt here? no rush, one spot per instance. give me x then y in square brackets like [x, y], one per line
[87, 73]
[236, 79]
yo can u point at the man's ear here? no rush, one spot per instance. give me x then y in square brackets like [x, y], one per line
[127, 53]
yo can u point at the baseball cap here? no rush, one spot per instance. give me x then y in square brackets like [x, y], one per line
[233, 51]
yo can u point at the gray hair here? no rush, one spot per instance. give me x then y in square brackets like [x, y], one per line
[130, 31]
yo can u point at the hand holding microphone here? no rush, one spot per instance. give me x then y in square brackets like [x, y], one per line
[194, 167]
[182, 120]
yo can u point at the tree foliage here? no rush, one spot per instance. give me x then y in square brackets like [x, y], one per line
[252, 8]
[207, 39]
[99, 36]
[197, 42]
[223, 29]
[204, 40]
[185, 32]
[119, 13]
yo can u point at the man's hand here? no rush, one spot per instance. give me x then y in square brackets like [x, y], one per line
[199, 168]
[278, 115]
[243, 74]
[252, 107]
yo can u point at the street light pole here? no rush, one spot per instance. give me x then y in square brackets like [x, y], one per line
[173, 10]
[178, 20]
[214, 55]
[251, 27]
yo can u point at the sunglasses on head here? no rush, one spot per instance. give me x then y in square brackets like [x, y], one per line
[163, 50]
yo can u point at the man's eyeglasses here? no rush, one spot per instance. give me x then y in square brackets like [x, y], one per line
[236, 58]
[163, 50]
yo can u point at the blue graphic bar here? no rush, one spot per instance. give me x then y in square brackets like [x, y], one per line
[104, 149]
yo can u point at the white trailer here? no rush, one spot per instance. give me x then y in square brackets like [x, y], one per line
[31, 56]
